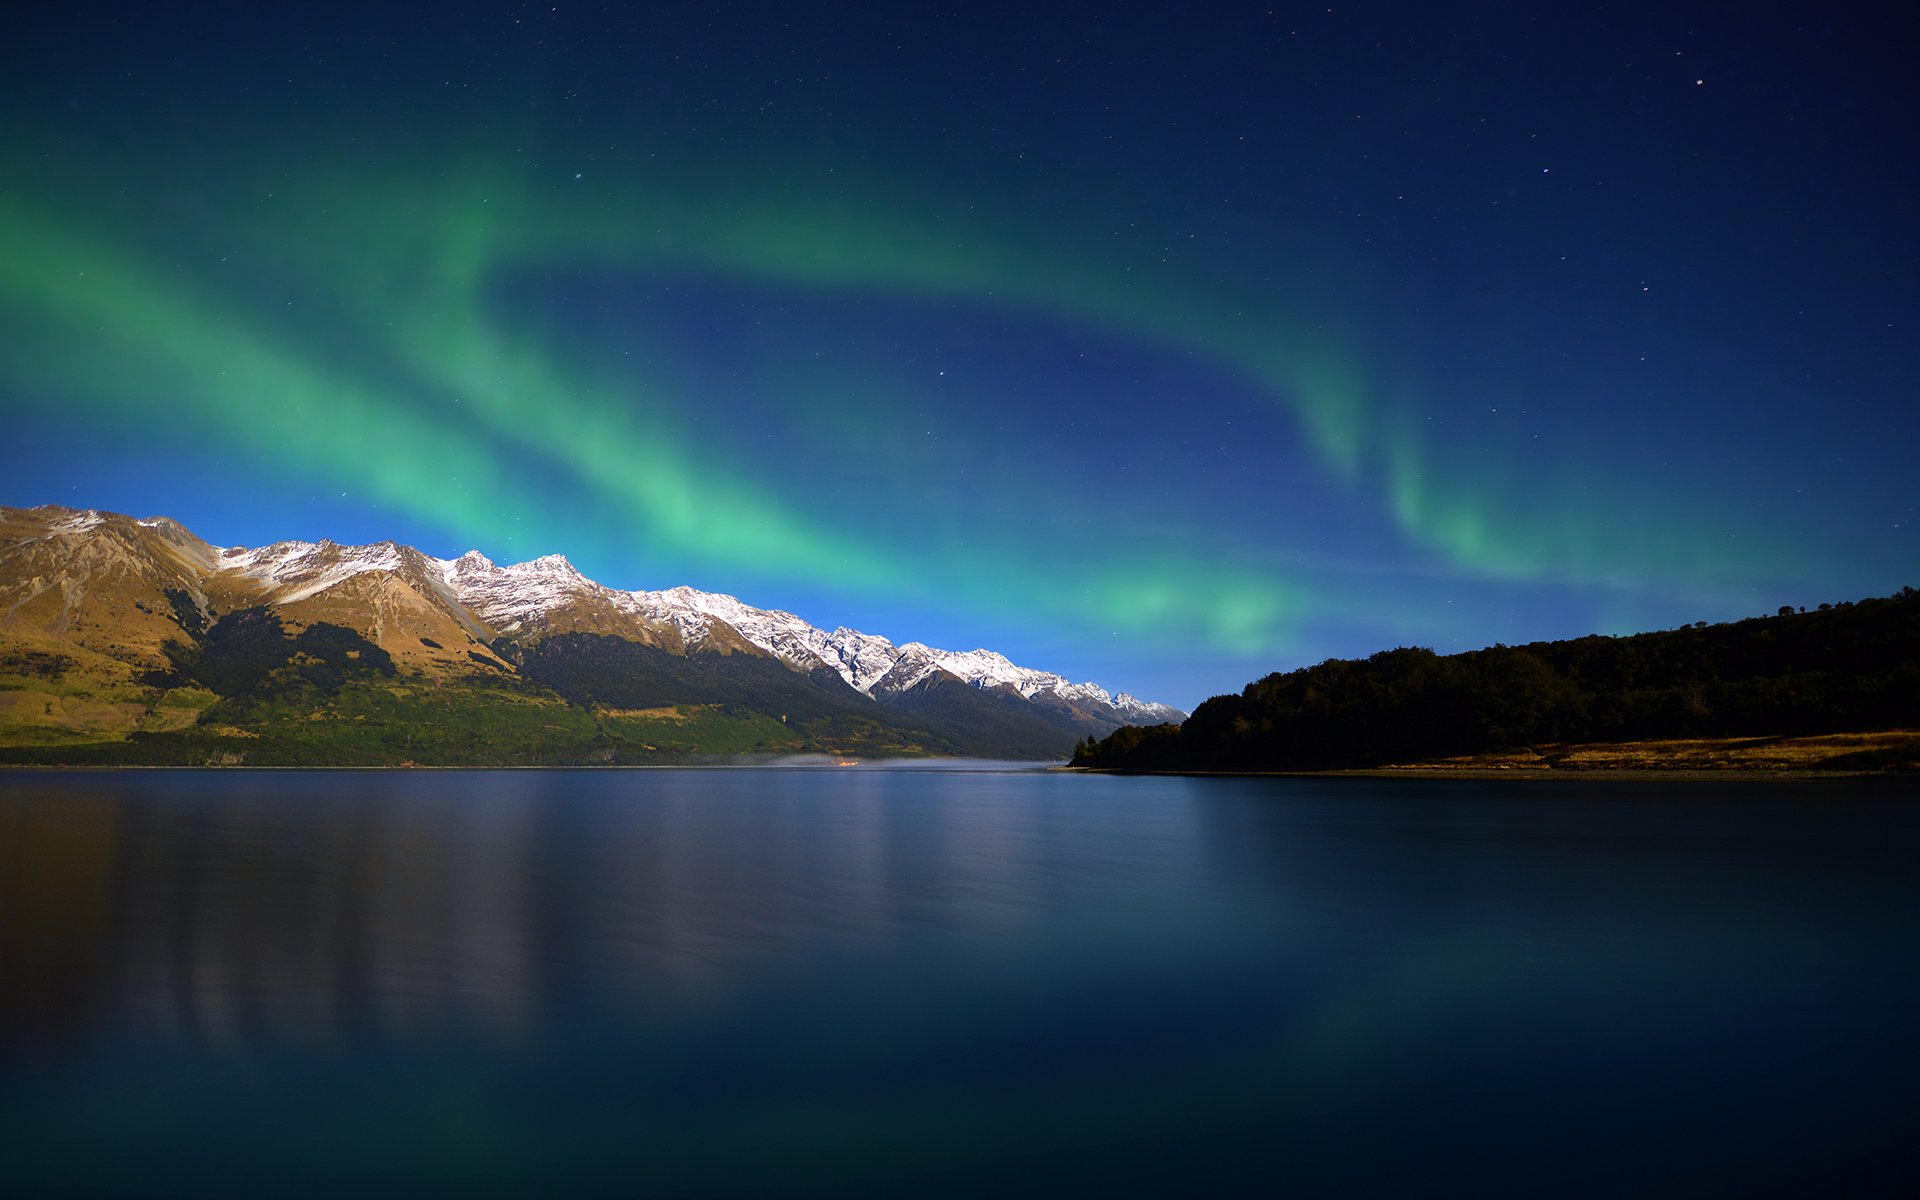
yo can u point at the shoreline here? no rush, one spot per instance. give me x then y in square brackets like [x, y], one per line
[1737, 774]
[1859, 754]
[960, 766]
[1766, 756]
[1598, 774]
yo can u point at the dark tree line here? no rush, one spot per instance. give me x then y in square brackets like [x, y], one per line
[1843, 668]
[251, 653]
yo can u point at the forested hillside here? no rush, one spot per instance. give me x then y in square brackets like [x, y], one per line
[1844, 667]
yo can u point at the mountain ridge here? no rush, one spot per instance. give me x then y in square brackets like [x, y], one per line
[120, 590]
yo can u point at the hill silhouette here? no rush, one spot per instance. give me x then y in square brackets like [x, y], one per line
[1845, 667]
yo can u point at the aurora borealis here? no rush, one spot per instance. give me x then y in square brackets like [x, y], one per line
[1160, 348]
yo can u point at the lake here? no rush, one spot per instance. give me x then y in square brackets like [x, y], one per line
[954, 982]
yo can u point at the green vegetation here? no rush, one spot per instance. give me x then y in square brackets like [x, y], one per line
[248, 691]
[822, 712]
[34, 665]
[185, 612]
[471, 723]
[1846, 667]
[1001, 726]
[250, 654]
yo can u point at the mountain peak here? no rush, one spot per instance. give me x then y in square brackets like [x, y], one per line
[549, 564]
[73, 520]
[470, 566]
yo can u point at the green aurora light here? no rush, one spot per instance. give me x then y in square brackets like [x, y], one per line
[357, 320]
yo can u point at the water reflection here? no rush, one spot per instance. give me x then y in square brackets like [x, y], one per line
[301, 909]
[917, 983]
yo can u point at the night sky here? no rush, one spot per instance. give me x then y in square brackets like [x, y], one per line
[1164, 346]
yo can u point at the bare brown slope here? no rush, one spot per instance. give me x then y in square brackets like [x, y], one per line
[97, 581]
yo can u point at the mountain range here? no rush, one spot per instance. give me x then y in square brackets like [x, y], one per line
[125, 640]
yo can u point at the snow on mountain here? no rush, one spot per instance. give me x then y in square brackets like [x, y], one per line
[694, 613]
[1146, 712]
[863, 659]
[913, 664]
[77, 522]
[511, 598]
[873, 665]
[293, 571]
[986, 669]
[549, 594]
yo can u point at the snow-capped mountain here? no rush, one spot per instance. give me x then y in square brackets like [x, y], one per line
[549, 594]
[125, 588]
[873, 665]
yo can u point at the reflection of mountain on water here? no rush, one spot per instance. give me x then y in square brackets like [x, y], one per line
[268, 914]
[301, 910]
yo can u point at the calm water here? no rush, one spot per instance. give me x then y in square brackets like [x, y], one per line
[914, 982]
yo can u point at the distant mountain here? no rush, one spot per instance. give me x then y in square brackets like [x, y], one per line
[1846, 668]
[134, 640]
[876, 667]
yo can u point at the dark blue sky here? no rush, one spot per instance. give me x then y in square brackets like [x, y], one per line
[1163, 347]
